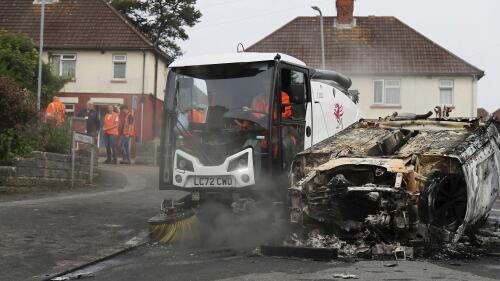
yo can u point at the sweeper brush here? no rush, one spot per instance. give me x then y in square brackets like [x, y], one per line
[174, 223]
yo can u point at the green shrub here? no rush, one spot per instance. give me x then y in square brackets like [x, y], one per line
[41, 136]
[15, 142]
[56, 139]
[18, 105]
[19, 61]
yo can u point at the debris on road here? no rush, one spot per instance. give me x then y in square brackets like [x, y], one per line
[391, 187]
[300, 252]
[73, 276]
[345, 276]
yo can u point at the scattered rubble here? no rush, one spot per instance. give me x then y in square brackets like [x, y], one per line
[398, 189]
[74, 276]
[345, 276]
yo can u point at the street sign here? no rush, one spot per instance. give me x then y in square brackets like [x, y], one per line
[77, 137]
[134, 102]
[82, 138]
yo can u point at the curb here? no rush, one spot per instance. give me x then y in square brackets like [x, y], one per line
[112, 255]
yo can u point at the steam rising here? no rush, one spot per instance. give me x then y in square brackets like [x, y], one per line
[219, 226]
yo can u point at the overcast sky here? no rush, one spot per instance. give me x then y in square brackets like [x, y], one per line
[470, 29]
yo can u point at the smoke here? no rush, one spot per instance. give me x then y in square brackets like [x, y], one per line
[243, 227]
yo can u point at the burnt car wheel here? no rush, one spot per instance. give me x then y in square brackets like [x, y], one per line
[443, 202]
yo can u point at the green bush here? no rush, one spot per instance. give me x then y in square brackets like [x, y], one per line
[20, 142]
[21, 132]
[18, 105]
[56, 139]
[19, 61]
[15, 142]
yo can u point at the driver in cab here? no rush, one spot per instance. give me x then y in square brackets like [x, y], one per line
[260, 109]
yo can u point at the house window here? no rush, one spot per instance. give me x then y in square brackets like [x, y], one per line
[446, 92]
[70, 110]
[119, 66]
[387, 92]
[64, 65]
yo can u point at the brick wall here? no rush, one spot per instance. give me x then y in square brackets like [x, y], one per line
[43, 169]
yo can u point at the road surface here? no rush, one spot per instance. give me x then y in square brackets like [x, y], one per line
[49, 233]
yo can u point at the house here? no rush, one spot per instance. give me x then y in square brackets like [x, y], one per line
[393, 66]
[482, 113]
[496, 114]
[107, 60]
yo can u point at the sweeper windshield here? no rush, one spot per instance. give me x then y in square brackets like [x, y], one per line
[218, 108]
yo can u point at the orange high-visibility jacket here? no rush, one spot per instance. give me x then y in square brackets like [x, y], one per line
[128, 128]
[260, 104]
[196, 116]
[111, 120]
[56, 111]
[285, 100]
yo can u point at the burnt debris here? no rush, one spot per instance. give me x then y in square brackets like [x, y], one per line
[395, 187]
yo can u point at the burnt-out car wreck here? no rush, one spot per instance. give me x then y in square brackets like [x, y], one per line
[396, 182]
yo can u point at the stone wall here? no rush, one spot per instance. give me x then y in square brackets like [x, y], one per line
[44, 169]
[147, 152]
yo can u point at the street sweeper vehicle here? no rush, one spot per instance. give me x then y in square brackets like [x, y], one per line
[233, 125]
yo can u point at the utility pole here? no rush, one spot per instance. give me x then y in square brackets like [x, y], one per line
[155, 90]
[316, 8]
[40, 55]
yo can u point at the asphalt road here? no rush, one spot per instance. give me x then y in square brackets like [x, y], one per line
[160, 263]
[46, 233]
[43, 234]
[154, 262]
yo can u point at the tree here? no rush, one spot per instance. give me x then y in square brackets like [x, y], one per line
[19, 61]
[161, 21]
[21, 105]
[18, 58]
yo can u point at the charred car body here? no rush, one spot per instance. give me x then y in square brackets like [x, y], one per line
[398, 180]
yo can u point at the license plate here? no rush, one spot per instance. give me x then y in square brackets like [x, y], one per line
[208, 181]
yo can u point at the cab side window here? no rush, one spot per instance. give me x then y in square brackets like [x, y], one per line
[294, 84]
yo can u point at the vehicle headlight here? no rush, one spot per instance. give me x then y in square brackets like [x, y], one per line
[184, 164]
[238, 163]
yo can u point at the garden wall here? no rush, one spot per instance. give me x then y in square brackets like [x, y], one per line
[43, 169]
[148, 153]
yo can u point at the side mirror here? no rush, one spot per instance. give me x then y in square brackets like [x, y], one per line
[308, 131]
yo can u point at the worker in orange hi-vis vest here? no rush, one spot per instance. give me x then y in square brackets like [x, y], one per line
[127, 131]
[56, 111]
[196, 115]
[110, 128]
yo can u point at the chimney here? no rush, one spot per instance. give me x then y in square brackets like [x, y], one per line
[345, 10]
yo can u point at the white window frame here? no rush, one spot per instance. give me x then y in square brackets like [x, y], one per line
[39, 2]
[122, 61]
[384, 88]
[61, 59]
[444, 87]
[70, 108]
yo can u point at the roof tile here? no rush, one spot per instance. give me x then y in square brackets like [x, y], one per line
[72, 24]
[376, 45]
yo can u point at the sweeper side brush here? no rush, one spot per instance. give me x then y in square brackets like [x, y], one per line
[175, 222]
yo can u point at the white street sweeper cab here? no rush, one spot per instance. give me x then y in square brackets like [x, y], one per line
[233, 123]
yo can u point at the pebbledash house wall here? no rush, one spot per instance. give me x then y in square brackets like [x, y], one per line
[418, 94]
[94, 80]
